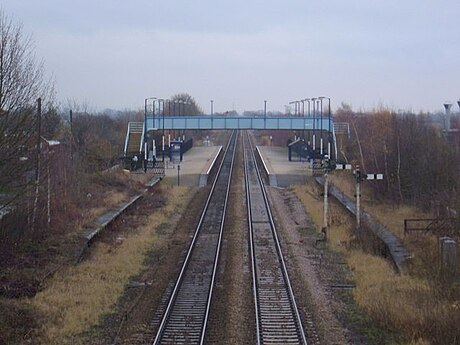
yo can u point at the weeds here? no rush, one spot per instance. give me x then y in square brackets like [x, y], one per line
[77, 298]
[416, 306]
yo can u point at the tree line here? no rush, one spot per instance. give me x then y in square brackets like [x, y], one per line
[51, 154]
[420, 161]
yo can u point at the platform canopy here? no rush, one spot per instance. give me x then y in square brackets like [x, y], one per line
[239, 122]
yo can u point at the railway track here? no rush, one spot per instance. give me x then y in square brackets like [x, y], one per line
[186, 315]
[277, 317]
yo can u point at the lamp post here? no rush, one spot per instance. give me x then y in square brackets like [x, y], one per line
[314, 124]
[447, 106]
[265, 108]
[308, 110]
[145, 145]
[321, 128]
[295, 107]
[329, 123]
[212, 107]
[161, 110]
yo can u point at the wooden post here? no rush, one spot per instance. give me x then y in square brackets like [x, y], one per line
[37, 163]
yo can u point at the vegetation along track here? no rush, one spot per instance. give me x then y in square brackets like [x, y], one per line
[277, 317]
[186, 315]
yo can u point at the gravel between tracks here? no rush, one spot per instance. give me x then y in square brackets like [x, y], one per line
[232, 319]
[312, 270]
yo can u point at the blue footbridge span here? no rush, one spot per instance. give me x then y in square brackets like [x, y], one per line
[320, 132]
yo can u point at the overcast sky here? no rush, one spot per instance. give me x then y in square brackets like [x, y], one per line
[113, 54]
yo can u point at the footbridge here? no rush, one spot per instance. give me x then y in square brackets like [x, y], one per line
[239, 122]
[319, 132]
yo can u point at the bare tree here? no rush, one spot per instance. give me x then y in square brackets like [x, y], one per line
[22, 82]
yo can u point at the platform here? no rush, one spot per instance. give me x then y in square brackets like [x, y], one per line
[282, 172]
[195, 162]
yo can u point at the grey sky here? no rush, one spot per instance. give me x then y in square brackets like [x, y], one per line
[113, 54]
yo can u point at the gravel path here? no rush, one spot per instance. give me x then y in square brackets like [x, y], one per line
[313, 270]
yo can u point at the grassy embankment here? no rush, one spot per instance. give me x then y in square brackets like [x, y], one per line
[414, 305]
[78, 297]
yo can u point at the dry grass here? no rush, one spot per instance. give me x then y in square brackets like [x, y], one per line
[78, 297]
[405, 304]
[413, 307]
[339, 232]
[391, 215]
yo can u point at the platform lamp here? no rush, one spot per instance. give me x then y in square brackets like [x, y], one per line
[308, 109]
[295, 107]
[212, 107]
[145, 122]
[329, 141]
[447, 106]
[161, 111]
[314, 123]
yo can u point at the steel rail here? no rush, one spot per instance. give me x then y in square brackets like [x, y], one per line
[268, 332]
[185, 333]
[251, 244]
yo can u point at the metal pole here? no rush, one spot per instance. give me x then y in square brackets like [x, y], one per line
[314, 124]
[447, 106]
[295, 108]
[145, 121]
[178, 178]
[321, 125]
[303, 115]
[358, 192]
[325, 201]
[159, 106]
[71, 134]
[325, 208]
[309, 115]
[212, 107]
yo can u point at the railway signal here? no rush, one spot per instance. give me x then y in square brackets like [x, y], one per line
[361, 177]
[340, 166]
[329, 165]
